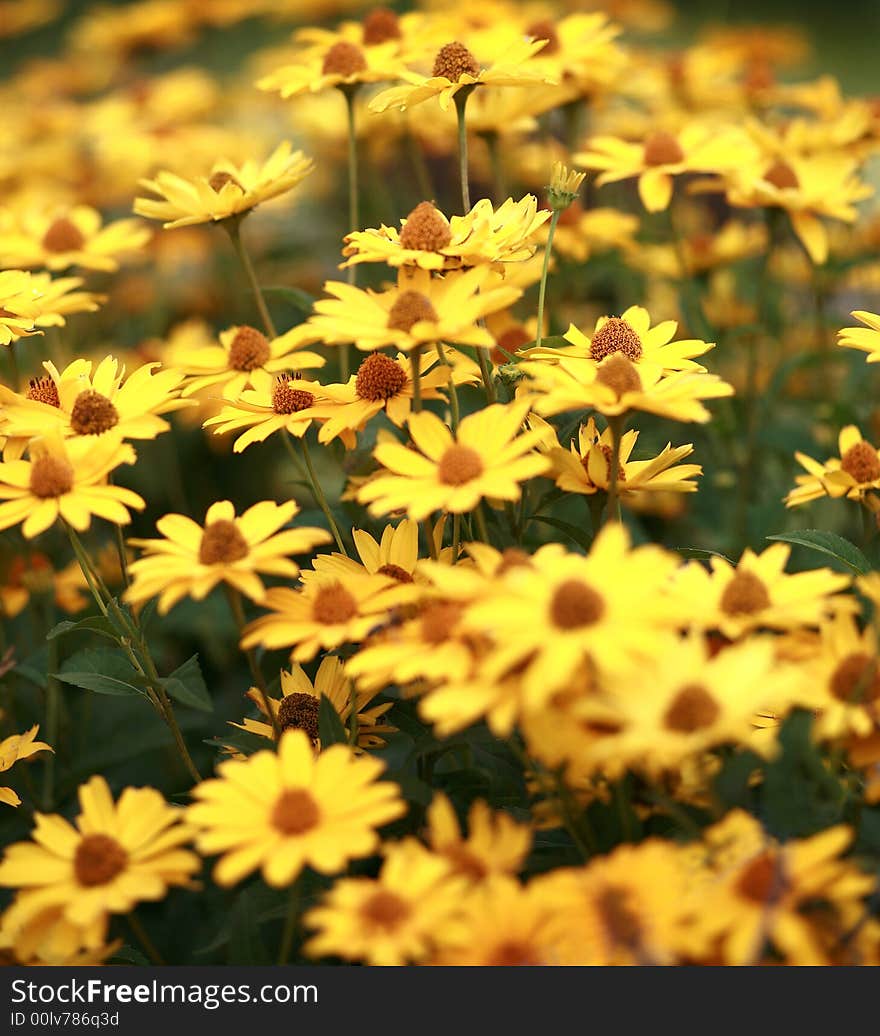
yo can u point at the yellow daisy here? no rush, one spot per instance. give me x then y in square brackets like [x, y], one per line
[495, 843]
[13, 748]
[335, 63]
[854, 474]
[843, 681]
[19, 305]
[282, 812]
[866, 339]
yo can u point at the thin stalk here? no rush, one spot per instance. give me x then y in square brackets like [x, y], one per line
[429, 536]
[456, 537]
[415, 359]
[453, 391]
[869, 526]
[53, 712]
[350, 93]
[317, 491]
[499, 179]
[237, 608]
[13, 365]
[233, 229]
[140, 933]
[481, 523]
[616, 424]
[461, 99]
[486, 372]
[420, 168]
[542, 292]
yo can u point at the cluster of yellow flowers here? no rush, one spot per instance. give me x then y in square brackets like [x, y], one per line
[487, 563]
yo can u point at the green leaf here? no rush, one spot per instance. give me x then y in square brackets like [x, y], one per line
[330, 728]
[297, 298]
[187, 685]
[547, 342]
[91, 624]
[579, 536]
[102, 671]
[699, 554]
[828, 543]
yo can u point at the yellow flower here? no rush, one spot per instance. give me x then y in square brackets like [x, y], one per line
[853, 475]
[430, 241]
[757, 592]
[229, 189]
[495, 844]
[79, 402]
[581, 53]
[59, 298]
[19, 305]
[272, 404]
[660, 158]
[69, 237]
[233, 364]
[395, 557]
[66, 480]
[866, 339]
[71, 878]
[335, 62]
[456, 68]
[420, 310]
[297, 708]
[282, 812]
[191, 560]
[485, 459]
[394, 919]
[586, 468]
[581, 232]
[13, 748]
[30, 574]
[564, 187]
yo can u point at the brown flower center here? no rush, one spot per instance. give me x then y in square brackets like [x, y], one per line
[381, 25]
[545, 30]
[465, 862]
[93, 413]
[409, 308]
[333, 605]
[295, 812]
[781, 175]
[856, 679]
[575, 605]
[222, 542]
[249, 349]
[344, 59]
[608, 454]
[379, 377]
[662, 148]
[692, 709]
[514, 953]
[385, 909]
[763, 880]
[620, 375]
[63, 236]
[512, 557]
[458, 465]
[508, 343]
[51, 477]
[745, 594]
[217, 181]
[453, 61]
[426, 229]
[439, 620]
[289, 400]
[43, 390]
[395, 572]
[299, 711]
[620, 921]
[98, 859]
[615, 336]
[861, 461]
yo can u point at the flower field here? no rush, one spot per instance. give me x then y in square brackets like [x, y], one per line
[439, 500]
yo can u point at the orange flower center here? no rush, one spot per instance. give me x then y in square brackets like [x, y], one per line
[379, 378]
[395, 572]
[662, 148]
[508, 343]
[620, 921]
[295, 812]
[782, 176]
[98, 859]
[43, 390]
[333, 605]
[344, 59]
[249, 349]
[692, 709]
[620, 375]
[385, 909]
[616, 335]
[453, 61]
[222, 542]
[861, 461]
[299, 711]
[439, 620]
[856, 679]
[545, 30]
[745, 594]
[763, 880]
[217, 181]
[51, 477]
[63, 236]
[425, 229]
[458, 465]
[514, 953]
[512, 557]
[381, 25]
[93, 413]
[289, 400]
[409, 308]
[575, 605]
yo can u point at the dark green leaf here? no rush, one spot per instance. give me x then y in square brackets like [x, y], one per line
[91, 624]
[699, 554]
[330, 728]
[102, 671]
[579, 536]
[187, 685]
[297, 298]
[828, 543]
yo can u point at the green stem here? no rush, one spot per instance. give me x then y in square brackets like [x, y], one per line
[233, 228]
[420, 168]
[318, 492]
[415, 359]
[542, 292]
[499, 180]
[53, 711]
[461, 99]
[13, 365]
[616, 424]
[869, 526]
[456, 536]
[429, 537]
[140, 933]
[481, 523]
[291, 923]
[453, 391]
[237, 608]
[350, 93]
[486, 372]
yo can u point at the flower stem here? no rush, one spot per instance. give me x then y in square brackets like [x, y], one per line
[415, 359]
[616, 424]
[317, 491]
[542, 293]
[429, 537]
[53, 710]
[481, 523]
[499, 182]
[486, 372]
[461, 99]
[291, 923]
[453, 391]
[456, 537]
[350, 93]
[233, 228]
[140, 933]
[233, 595]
